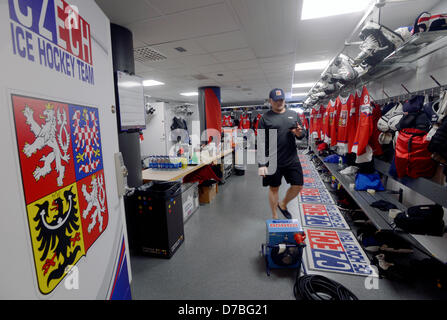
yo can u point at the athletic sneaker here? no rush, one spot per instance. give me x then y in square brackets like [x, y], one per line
[285, 213]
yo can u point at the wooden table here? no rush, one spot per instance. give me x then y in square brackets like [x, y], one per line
[174, 175]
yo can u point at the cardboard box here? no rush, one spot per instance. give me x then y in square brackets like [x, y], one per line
[207, 194]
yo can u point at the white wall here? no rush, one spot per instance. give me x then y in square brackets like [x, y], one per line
[157, 133]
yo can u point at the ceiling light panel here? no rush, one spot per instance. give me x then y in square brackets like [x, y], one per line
[315, 65]
[314, 9]
[151, 83]
[189, 94]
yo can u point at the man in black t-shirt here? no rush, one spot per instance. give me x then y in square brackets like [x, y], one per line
[288, 127]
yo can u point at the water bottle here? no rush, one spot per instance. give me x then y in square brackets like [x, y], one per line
[340, 161]
[158, 163]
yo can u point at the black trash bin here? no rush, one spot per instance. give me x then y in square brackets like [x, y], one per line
[158, 218]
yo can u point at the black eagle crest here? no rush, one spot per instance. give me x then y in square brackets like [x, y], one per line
[53, 235]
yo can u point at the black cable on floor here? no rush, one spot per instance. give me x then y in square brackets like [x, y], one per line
[316, 287]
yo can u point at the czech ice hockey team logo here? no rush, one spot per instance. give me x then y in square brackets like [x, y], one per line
[59, 148]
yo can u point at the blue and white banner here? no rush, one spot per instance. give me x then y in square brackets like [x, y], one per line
[322, 216]
[315, 195]
[336, 251]
[310, 173]
[313, 183]
[303, 157]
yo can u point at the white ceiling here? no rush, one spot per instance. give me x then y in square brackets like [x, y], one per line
[254, 44]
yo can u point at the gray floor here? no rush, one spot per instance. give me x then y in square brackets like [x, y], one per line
[220, 258]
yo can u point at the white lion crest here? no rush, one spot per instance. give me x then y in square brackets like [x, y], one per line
[47, 135]
[95, 199]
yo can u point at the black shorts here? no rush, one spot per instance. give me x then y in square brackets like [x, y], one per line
[293, 176]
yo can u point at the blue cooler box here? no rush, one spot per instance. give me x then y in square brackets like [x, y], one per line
[282, 232]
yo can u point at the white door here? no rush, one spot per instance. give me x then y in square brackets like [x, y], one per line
[62, 227]
[154, 142]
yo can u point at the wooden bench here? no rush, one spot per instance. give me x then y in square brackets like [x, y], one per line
[435, 247]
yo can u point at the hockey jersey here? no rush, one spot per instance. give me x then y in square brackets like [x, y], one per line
[319, 122]
[244, 122]
[312, 120]
[333, 122]
[365, 124]
[227, 121]
[353, 121]
[304, 121]
[325, 124]
[316, 123]
[256, 123]
[346, 104]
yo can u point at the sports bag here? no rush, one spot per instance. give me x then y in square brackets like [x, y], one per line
[422, 219]
[412, 156]
[364, 182]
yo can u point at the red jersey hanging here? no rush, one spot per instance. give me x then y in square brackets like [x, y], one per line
[227, 121]
[353, 121]
[333, 122]
[319, 122]
[244, 122]
[343, 124]
[256, 123]
[312, 124]
[325, 124]
[365, 125]
[304, 121]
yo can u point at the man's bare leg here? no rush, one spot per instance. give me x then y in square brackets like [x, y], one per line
[291, 194]
[273, 200]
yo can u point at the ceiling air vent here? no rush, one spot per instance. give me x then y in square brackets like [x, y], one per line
[145, 54]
